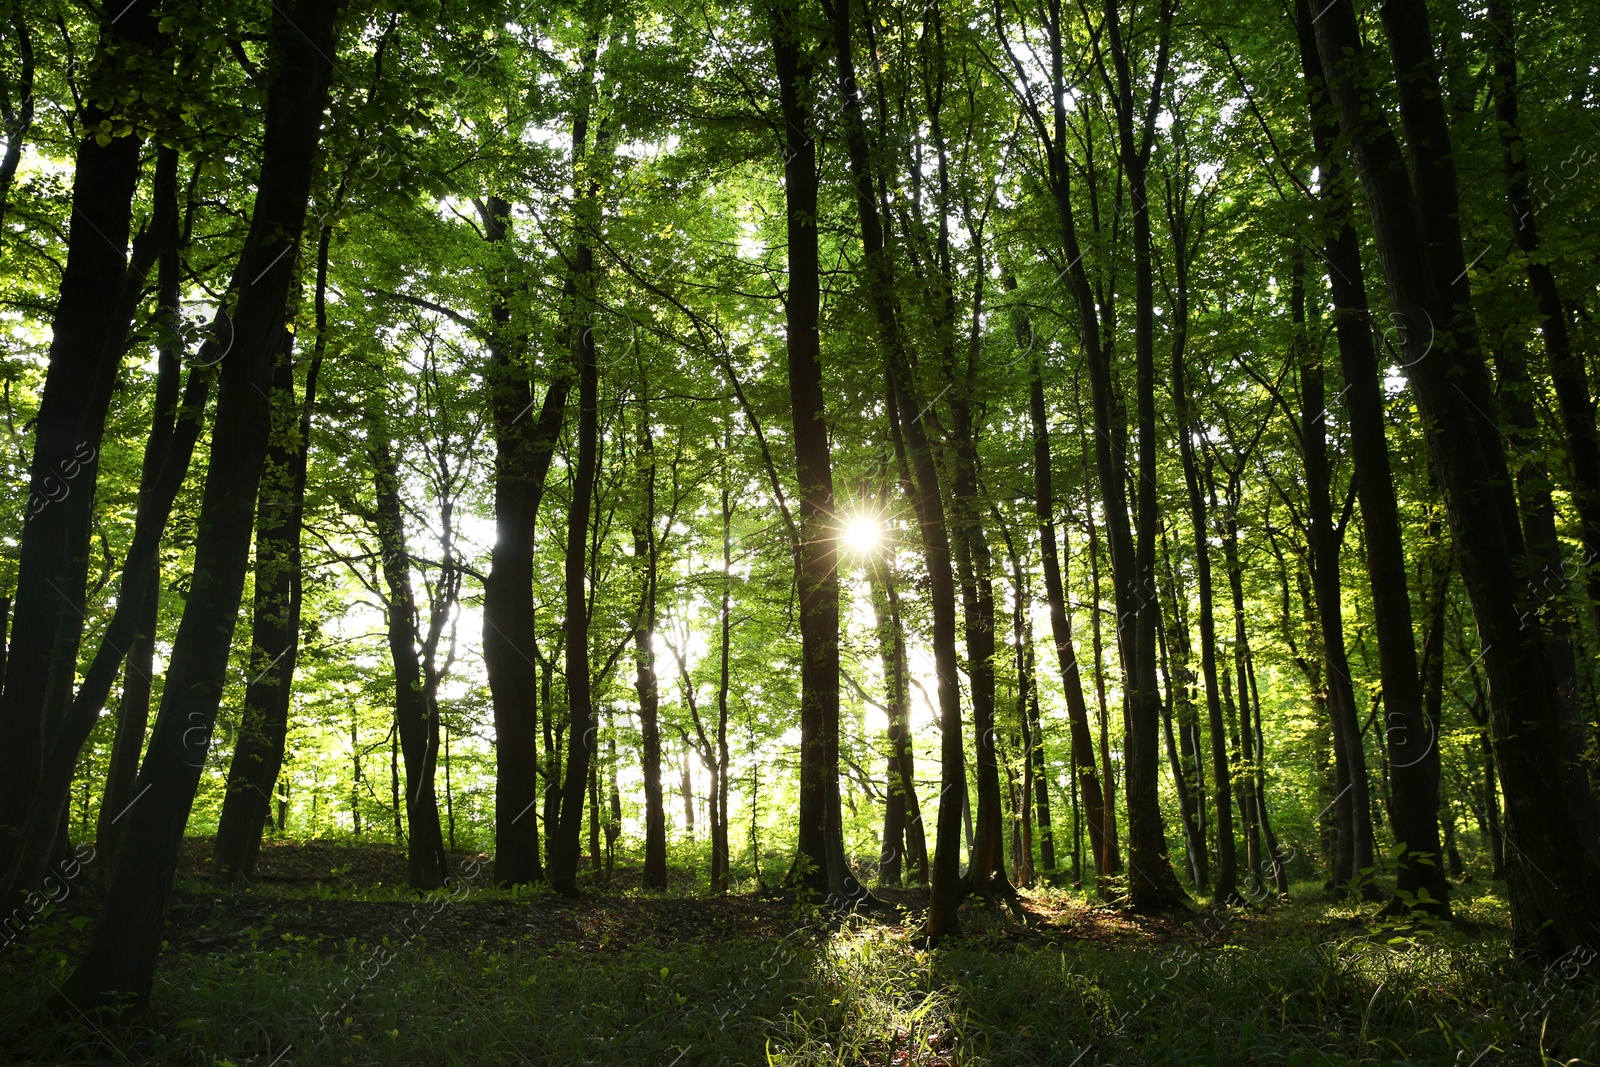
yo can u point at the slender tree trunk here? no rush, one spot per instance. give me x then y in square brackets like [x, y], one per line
[901, 809]
[819, 867]
[133, 710]
[1036, 783]
[120, 962]
[74, 714]
[563, 870]
[911, 439]
[1226, 886]
[18, 118]
[1177, 669]
[415, 710]
[645, 550]
[897, 697]
[1151, 882]
[719, 837]
[1417, 772]
[1242, 741]
[1082, 748]
[1567, 373]
[275, 630]
[1322, 543]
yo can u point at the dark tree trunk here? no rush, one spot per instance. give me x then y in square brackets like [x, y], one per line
[1151, 882]
[524, 445]
[820, 867]
[1567, 373]
[644, 655]
[719, 828]
[551, 768]
[120, 962]
[133, 710]
[75, 715]
[1556, 858]
[97, 298]
[1240, 734]
[18, 119]
[987, 862]
[1427, 132]
[1225, 888]
[1035, 781]
[564, 849]
[1413, 755]
[903, 835]
[1178, 673]
[1082, 747]
[947, 887]
[1322, 545]
[275, 631]
[416, 712]
[595, 858]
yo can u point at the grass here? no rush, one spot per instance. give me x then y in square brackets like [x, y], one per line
[1304, 983]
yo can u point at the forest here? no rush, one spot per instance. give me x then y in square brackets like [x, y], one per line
[832, 532]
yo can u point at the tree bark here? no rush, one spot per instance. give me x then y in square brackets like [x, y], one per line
[98, 295]
[1082, 743]
[1556, 857]
[819, 867]
[645, 550]
[524, 444]
[275, 630]
[416, 711]
[121, 959]
[906, 418]
[564, 849]
[1567, 373]
[133, 710]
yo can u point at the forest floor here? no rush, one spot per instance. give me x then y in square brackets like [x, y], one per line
[327, 959]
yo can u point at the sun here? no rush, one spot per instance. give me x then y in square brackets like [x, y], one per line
[862, 534]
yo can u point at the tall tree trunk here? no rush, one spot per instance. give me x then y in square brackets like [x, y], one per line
[1240, 733]
[120, 962]
[1322, 544]
[645, 550]
[1567, 373]
[98, 295]
[1082, 747]
[719, 835]
[1413, 752]
[1177, 669]
[564, 849]
[1036, 783]
[524, 445]
[133, 710]
[1427, 131]
[416, 712]
[903, 835]
[1151, 882]
[1556, 857]
[819, 866]
[74, 715]
[1225, 888]
[907, 426]
[275, 631]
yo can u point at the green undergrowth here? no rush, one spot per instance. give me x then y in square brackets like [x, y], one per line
[1303, 983]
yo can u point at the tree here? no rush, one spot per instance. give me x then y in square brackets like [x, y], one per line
[121, 958]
